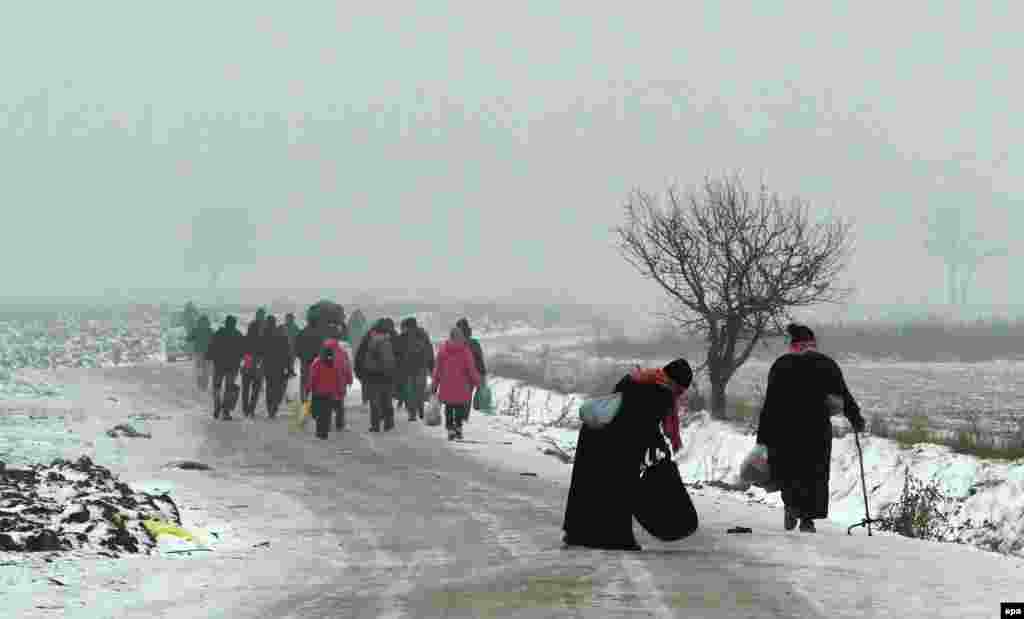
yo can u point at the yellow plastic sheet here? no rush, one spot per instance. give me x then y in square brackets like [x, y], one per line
[157, 528]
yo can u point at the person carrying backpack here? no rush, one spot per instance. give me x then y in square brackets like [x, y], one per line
[375, 368]
[227, 346]
[329, 378]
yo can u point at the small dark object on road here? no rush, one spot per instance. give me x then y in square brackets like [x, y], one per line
[123, 429]
[57, 582]
[191, 465]
[528, 474]
[262, 545]
[740, 530]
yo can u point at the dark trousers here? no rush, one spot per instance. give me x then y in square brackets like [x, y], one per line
[276, 385]
[455, 415]
[323, 408]
[303, 377]
[417, 390]
[251, 387]
[382, 405]
[221, 378]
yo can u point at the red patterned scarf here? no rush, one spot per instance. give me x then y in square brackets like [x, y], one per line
[799, 347]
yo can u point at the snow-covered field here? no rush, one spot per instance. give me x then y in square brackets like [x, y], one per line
[948, 393]
[986, 499]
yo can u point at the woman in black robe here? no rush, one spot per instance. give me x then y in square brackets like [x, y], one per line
[796, 428]
[606, 469]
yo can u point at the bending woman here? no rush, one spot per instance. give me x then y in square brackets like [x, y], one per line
[606, 469]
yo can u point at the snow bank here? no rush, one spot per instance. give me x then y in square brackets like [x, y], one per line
[77, 506]
[986, 498]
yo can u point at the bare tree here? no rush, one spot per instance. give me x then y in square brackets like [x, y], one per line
[220, 238]
[733, 265]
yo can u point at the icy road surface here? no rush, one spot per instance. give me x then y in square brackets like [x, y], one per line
[406, 524]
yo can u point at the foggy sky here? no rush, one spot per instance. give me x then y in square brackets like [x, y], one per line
[481, 148]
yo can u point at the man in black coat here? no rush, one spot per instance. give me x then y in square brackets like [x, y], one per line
[415, 355]
[227, 347]
[376, 368]
[796, 426]
[277, 360]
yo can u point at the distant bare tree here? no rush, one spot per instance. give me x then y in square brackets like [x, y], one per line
[733, 265]
[961, 249]
[220, 238]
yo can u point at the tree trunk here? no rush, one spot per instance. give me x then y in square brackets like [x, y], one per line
[718, 401]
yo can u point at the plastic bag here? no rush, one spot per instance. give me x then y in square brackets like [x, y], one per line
[599, 412]
[301, 411]
[157, 528]
[756, 469]
[432, 415]
[483, 400]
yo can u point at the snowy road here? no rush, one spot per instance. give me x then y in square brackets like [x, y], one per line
[406, 524]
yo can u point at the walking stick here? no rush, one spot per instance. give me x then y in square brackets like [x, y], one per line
[864, 488]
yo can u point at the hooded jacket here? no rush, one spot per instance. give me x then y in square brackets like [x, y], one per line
[455, 373]
[330, 380]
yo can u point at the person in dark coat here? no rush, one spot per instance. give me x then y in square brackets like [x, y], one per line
[252, 366]
[606, 468]
[199, 337]
[474, 345]
[796, 428]
[375, 367]
[276, 364]
[227, 346]
[415, 355]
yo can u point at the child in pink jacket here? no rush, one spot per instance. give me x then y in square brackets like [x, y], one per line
[455, 376]
[330, 376]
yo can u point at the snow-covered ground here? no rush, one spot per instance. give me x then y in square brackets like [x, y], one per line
[986, 498]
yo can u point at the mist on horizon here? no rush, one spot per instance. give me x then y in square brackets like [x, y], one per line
[485, 155]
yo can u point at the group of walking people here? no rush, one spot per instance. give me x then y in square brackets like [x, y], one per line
[805, 389]
[394, 368]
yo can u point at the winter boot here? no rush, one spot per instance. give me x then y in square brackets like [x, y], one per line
[807, 525]
[789, 521]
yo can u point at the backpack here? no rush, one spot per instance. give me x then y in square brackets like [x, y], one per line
[377, 360]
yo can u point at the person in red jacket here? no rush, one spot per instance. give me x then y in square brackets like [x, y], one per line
[330, 376]
[455, 376]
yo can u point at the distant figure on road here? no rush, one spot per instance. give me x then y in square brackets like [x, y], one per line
[227, 346]
[277, 363]
[291, 331]
[375, 367]
[455, 376]
[330, 376]
[357, 329]
[606, 469]
[252, 366]
[796, 428]
[199, 338]
[319, 328]
[474, 346]
[415, 354]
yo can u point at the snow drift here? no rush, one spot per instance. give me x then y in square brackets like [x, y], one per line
[77, 506]
[981, 500]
